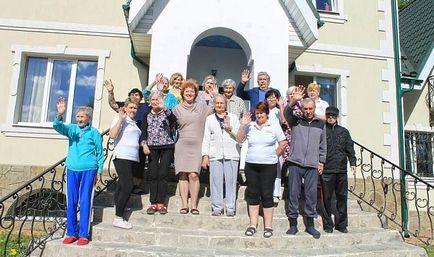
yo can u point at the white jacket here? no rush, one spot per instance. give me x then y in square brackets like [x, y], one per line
[218, 143]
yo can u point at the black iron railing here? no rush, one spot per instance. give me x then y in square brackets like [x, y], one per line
[36, 211]
[377, 187]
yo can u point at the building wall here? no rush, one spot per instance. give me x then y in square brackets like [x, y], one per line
[359, 51]
[262, 24]
[89, 26]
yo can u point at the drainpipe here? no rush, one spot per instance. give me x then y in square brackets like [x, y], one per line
[126, 8]
[399, 93]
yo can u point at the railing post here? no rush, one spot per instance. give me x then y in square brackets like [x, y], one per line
[403, 182]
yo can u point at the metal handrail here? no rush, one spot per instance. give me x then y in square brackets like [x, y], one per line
[36, 209]
[377, 187]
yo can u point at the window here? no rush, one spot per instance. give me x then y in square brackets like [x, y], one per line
[40, 75]
[47, 79]
[326, 5]
[419, 152]
[328, 86]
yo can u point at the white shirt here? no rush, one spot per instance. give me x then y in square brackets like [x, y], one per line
[127, 142]
[262, 142]
[320, 107]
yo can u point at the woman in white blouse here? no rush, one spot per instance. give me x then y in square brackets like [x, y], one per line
[221, 152]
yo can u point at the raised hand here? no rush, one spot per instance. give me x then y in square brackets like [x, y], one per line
[246, 119]
[108, 84]
[160, 103]
[227, 123]
[159, 81]
[299, 93]
[122, 113]
[245, 76]
[215, 89]
[61, 106]
[281, 102]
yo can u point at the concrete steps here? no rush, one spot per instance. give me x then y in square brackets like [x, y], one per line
[175, 234]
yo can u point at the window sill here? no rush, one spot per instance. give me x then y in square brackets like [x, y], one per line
[30, 132]
[333, 17]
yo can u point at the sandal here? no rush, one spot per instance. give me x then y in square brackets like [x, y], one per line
[183, 210]
[250, 231]
[194, 211]
[268, 232]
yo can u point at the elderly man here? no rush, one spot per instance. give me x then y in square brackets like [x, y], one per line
[306, 159]
[256, 94]
[235, 104]
[334, 180]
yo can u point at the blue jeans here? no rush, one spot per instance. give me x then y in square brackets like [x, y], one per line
[223, 172]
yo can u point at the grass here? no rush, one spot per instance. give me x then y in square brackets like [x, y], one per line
[430, 250]
[13, 248]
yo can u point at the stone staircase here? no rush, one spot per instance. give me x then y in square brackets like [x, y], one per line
[175, 234]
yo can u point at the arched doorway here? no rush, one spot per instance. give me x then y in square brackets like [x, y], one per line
[220, 52]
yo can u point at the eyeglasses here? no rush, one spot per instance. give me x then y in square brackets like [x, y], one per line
[331, 116]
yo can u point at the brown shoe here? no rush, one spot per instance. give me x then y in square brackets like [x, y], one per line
[162, 209]
[152, 209]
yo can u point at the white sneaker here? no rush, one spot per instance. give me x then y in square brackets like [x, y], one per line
[120, 223]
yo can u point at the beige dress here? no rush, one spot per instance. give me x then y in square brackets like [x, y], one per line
[188, 148]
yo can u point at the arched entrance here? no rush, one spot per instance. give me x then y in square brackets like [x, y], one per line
[221, 52]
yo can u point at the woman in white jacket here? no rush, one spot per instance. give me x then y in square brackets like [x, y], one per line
[221, 152]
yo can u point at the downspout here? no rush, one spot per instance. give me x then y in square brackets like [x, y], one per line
[126, 8]
[399, 93]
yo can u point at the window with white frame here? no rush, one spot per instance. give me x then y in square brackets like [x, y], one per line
[47, 79]
[328, 86]
[41, 74]
[419, 152]
[331, 10]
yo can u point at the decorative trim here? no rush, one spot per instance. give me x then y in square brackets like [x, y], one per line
[386, 96]
[381, 26]
[333, 17]
[346, 51]
[63, 28]
[387, 139]
[418, 127]
[21, 51]
[387, 118]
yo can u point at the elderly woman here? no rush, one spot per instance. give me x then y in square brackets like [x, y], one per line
[210, 89]
[84, 161]
[314, 91]
[126, 137]
[235, 104]
[158, 142]
[221, 152]
[261, 164]
[175, 85]
[191, 116]
[161, 84]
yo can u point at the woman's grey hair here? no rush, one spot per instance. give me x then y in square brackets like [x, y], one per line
[209, 77]
[86, 110]
[228, 82]
[290, 89]
[220, 96]
[155, 92]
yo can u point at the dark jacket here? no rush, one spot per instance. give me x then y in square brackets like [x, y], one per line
[340, 148]
[252, 95]
[308, 140]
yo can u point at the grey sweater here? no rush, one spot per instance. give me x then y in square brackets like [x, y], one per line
[308, 140]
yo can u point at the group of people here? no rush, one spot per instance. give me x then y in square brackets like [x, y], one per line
[202, 129]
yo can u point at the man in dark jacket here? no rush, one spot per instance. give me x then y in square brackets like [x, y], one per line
[256, 94]
[334, 179]
[306, 159]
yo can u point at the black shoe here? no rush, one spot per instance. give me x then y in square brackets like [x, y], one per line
[313, 232]
[328, 230]
[342, 230]
[292, 230]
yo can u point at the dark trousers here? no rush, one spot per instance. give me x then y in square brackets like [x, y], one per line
[296, 175]
[159, 165]
[335, 183]
[124, 169]
[260, 183]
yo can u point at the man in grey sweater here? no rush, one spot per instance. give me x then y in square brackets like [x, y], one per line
[306, 160]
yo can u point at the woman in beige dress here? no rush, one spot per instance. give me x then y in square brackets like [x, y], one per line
[191, 116]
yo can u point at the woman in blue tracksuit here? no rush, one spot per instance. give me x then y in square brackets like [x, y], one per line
[84, 161]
